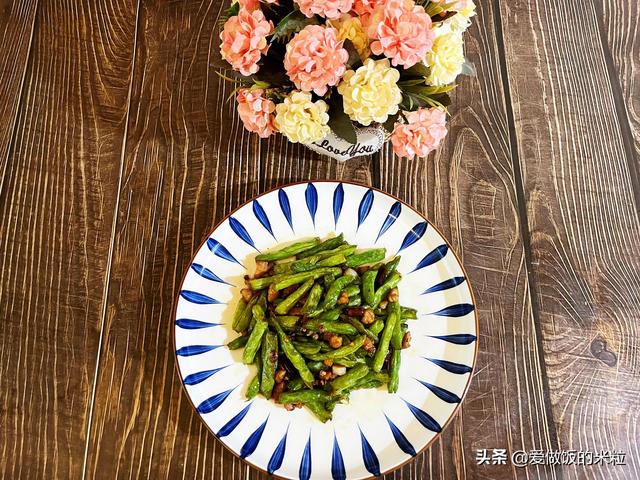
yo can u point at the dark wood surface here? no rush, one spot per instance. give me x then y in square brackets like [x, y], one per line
[119, 154]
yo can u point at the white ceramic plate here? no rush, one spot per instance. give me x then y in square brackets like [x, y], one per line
[376, 431]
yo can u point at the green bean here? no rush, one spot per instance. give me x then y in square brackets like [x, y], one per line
[332, 261]
[304, 265]
[326, 245]
[335, 289]
[377, 326]
[349, 362]
[288, 251]
[396, 337]
[316, 366]
[344, 351]
[295, 385]
[306, 348]
[352, 290]
[294, 356]
[345, 250]
[254, 385]
[340, 328]
[238, 342]
[238, 313]
[284, 267]
[319, 410]
[304, 396]
[355, 301]
[349, 379]
[368, 285]
[269, 363]
[292, 299]
[263, 282]
[391, 266]
[394, 368]
[296, 278]
[409, 313]
[385, 288]
[370, 256]
[241, 323]
[383, 346]
[255, 338]
[313, 298]
[357, 324]
[262, 303]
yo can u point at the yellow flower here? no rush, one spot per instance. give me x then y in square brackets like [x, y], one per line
[350, 28]
[462, 19]
[371, 93]
[301, 120]
[445, 58]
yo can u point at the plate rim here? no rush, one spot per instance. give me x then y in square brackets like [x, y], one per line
[357, 184]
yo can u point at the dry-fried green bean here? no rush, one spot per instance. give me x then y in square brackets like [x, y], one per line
[269, 363]
[332, 261]
[340, 328]
[385, 288]
[288, 251]
[313, 298]
[377, 326]
[294, 356]
[357, 324]
[237, 314]
[241, 323]
[328, 244]
[288, 322]
[383, 345]
[238, 342]
[296, 278]
[369, 256]
[286, 305]
[255, 338]
[349, 379]
[334, 291]
[254, 385]
[304, 396]
[344, 351]
[368, 285]
[394, 369]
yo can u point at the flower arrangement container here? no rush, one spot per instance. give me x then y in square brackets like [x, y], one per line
[344, 76]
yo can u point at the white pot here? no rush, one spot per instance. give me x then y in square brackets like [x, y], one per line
[370, 140]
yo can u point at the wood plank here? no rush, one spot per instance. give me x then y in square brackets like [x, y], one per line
[188, 162]
[620, 21]
[16, 30]
[56, 210]
[583, 225]
[467, 190]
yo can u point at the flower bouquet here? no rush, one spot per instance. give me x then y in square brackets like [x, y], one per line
[343, 76]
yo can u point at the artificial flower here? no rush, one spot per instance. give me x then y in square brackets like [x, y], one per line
[371, 93]
[465, 9]
[423, 132]
[325, 8]
[364, 8]
[446, 57]
[256, 111]
[244, 40]
[315, 59]
[301, 119]
[402, 31]
[350, 28]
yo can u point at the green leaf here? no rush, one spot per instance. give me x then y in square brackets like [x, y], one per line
[419, 70]
[290, 25]
[232, 11]
[354, 61]
[339, 121]
[390, 124]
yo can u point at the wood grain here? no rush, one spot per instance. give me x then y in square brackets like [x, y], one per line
[620, 21]
[16, 29]
[187, 163]
[468, 190]
[56, 209]
[583, 226]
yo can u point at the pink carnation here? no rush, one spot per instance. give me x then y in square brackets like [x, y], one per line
[422, 133]
[332, 9]
[256, 111]
[402, 31]
[244, 40]
[315, 59]
[366, 7]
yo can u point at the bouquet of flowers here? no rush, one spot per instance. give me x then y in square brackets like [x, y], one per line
[314, 70]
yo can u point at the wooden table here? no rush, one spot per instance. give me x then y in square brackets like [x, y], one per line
[119, 154]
